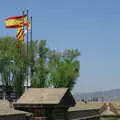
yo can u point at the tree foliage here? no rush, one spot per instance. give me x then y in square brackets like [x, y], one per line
[47, 68]
[64, 68]
[41, 73]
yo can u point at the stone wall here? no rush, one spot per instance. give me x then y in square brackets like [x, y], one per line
[83, 114]
[113, 109]
[49, 114]
[39, 118]
[13, 117]
[59, 114]
[103, 108]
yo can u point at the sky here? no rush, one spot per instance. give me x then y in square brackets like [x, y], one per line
[91, 26]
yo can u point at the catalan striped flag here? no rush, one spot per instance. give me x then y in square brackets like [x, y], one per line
[20, 35]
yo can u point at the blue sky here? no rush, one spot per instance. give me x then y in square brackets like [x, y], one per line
[92, 26]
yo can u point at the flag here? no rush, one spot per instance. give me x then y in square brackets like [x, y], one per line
[16, 21]
[20, 35]
[29, 28]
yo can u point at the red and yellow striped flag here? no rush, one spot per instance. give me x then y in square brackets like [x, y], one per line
[20, 35]
[16, 21]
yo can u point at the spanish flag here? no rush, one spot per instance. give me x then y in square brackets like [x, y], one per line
[16, 21]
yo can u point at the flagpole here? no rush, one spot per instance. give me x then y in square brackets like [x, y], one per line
[31, 30]
[23, 13]
[27, 49]
[31, 69]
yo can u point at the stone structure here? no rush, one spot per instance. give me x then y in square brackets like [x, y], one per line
[46, 103]
[8, 113]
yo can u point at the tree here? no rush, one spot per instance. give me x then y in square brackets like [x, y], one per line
[40, 74]
[64, 68]
[12, 64]
[48, 68]
[55, 69]
[6, 49]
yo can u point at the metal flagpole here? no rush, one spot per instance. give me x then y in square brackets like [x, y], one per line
[31, 69]
[23, 13]
[27, 49]
[31, 30]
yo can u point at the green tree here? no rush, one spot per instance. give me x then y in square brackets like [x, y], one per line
[12, 64]
[48, 68]
[41, 73]
[6, 49]
[64, 68]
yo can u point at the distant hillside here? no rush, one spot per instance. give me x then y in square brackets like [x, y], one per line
[113, 95]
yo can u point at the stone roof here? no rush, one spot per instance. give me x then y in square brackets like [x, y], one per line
[6, 110]
[46, 96]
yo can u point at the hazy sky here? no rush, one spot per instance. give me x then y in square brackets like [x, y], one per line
[92, 26]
